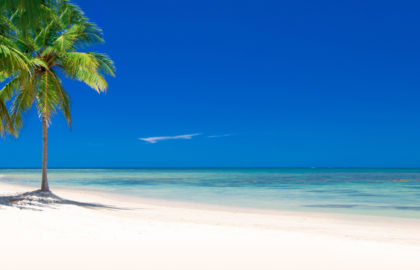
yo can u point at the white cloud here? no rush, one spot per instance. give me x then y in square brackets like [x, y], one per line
[162, 138]
[219, 136]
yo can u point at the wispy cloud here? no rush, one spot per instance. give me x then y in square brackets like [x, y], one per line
[163, 138]
[219, 136]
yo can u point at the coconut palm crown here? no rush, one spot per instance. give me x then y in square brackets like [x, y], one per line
[38, 56]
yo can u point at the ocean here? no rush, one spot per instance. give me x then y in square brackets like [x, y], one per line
[379, 192]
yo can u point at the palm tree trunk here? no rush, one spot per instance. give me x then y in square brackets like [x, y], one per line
[44, 185]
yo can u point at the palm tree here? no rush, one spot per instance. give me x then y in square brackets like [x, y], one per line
[51, 50]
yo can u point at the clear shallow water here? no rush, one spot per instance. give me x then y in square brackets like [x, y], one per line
[383, 192]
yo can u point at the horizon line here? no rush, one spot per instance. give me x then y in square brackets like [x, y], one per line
[212, 167]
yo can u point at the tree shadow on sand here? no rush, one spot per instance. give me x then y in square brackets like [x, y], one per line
[37, 200]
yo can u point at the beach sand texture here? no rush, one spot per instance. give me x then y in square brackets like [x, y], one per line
[89, 230]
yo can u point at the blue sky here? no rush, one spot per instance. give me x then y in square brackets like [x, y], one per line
[247, 83]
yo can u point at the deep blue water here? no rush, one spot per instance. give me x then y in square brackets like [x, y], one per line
[385, 192]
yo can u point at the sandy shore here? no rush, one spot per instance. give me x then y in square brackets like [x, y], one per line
[89, 230]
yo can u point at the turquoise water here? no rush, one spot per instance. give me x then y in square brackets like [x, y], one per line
[383, 192]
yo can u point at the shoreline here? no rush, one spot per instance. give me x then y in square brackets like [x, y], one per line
[325, 192]
[218, 207]
[131, 202]
[123, 232]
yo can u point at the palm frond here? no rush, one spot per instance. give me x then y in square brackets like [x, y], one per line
[84, 67]
[105, 64]
[5, 120]
[10, 89]
[12, 60]
[29, 11]
[23, 101]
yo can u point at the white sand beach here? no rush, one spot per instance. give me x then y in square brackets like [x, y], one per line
[104, 231]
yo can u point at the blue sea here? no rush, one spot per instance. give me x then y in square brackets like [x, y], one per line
[381, 192]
